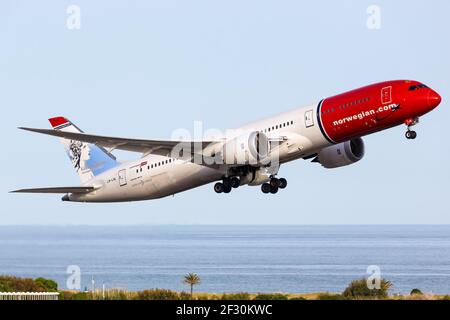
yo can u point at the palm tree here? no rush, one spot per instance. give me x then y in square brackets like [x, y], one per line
[191, 279]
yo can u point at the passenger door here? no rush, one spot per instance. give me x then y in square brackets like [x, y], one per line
[122, 177]
[309, 120]
[386, 95]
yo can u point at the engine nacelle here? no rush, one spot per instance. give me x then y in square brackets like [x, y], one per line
[247, 149]
[341, 154]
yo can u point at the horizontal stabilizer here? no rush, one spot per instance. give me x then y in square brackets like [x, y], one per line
[57, 190]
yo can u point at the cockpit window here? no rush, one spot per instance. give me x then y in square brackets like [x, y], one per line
[416, 87]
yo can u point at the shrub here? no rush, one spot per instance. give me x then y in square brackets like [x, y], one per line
[81, 296]
[47, 284]
[330, 296]
[74, 295]
[298, 298]
[446, 297]
[415, 291]
[65, 295]
[110, 294]
[236, 296]
[185, 296]
[15, 284]
[157, 294]
[271, 296]
[359, 289]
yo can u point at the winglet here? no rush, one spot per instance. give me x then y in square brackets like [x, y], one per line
[58, 121]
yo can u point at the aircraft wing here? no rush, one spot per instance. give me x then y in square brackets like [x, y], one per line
[56, 190]
[161, 147]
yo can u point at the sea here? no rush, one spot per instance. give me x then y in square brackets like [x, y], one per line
[231, 258]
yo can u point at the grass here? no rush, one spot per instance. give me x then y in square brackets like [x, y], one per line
[164, 294]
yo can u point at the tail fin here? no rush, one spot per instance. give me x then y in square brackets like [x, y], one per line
[89, 160]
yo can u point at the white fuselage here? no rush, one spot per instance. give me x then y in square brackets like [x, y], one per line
[154, 176]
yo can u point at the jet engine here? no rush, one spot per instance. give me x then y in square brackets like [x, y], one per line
[247, 149]
[341, 154]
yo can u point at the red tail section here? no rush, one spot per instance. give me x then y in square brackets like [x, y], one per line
[58, 121]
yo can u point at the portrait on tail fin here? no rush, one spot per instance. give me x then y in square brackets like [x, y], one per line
[79, 154]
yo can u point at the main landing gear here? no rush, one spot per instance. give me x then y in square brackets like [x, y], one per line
[274, 185]
[227, 184]
[410, 134]
[231, 183]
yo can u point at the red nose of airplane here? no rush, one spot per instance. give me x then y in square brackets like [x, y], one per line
[434, 99]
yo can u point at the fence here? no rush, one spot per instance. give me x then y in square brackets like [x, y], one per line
[29, 295]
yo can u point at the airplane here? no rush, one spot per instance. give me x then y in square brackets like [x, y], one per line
[327, 132]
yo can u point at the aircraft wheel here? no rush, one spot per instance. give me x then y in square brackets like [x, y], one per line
[226, 182]
[219, 187]
[274, 182]
[273, 190]
[226, 189]
[265, 188]
[283, 183]
[410, 134]
[235, 182]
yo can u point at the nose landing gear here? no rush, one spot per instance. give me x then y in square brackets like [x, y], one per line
[410, 134]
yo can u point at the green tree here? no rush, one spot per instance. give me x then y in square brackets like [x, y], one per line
[46, 284]
[191, 279]
[359, 288]
[415, 291]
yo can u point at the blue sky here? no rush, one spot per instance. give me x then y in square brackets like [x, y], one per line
[145, 68]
